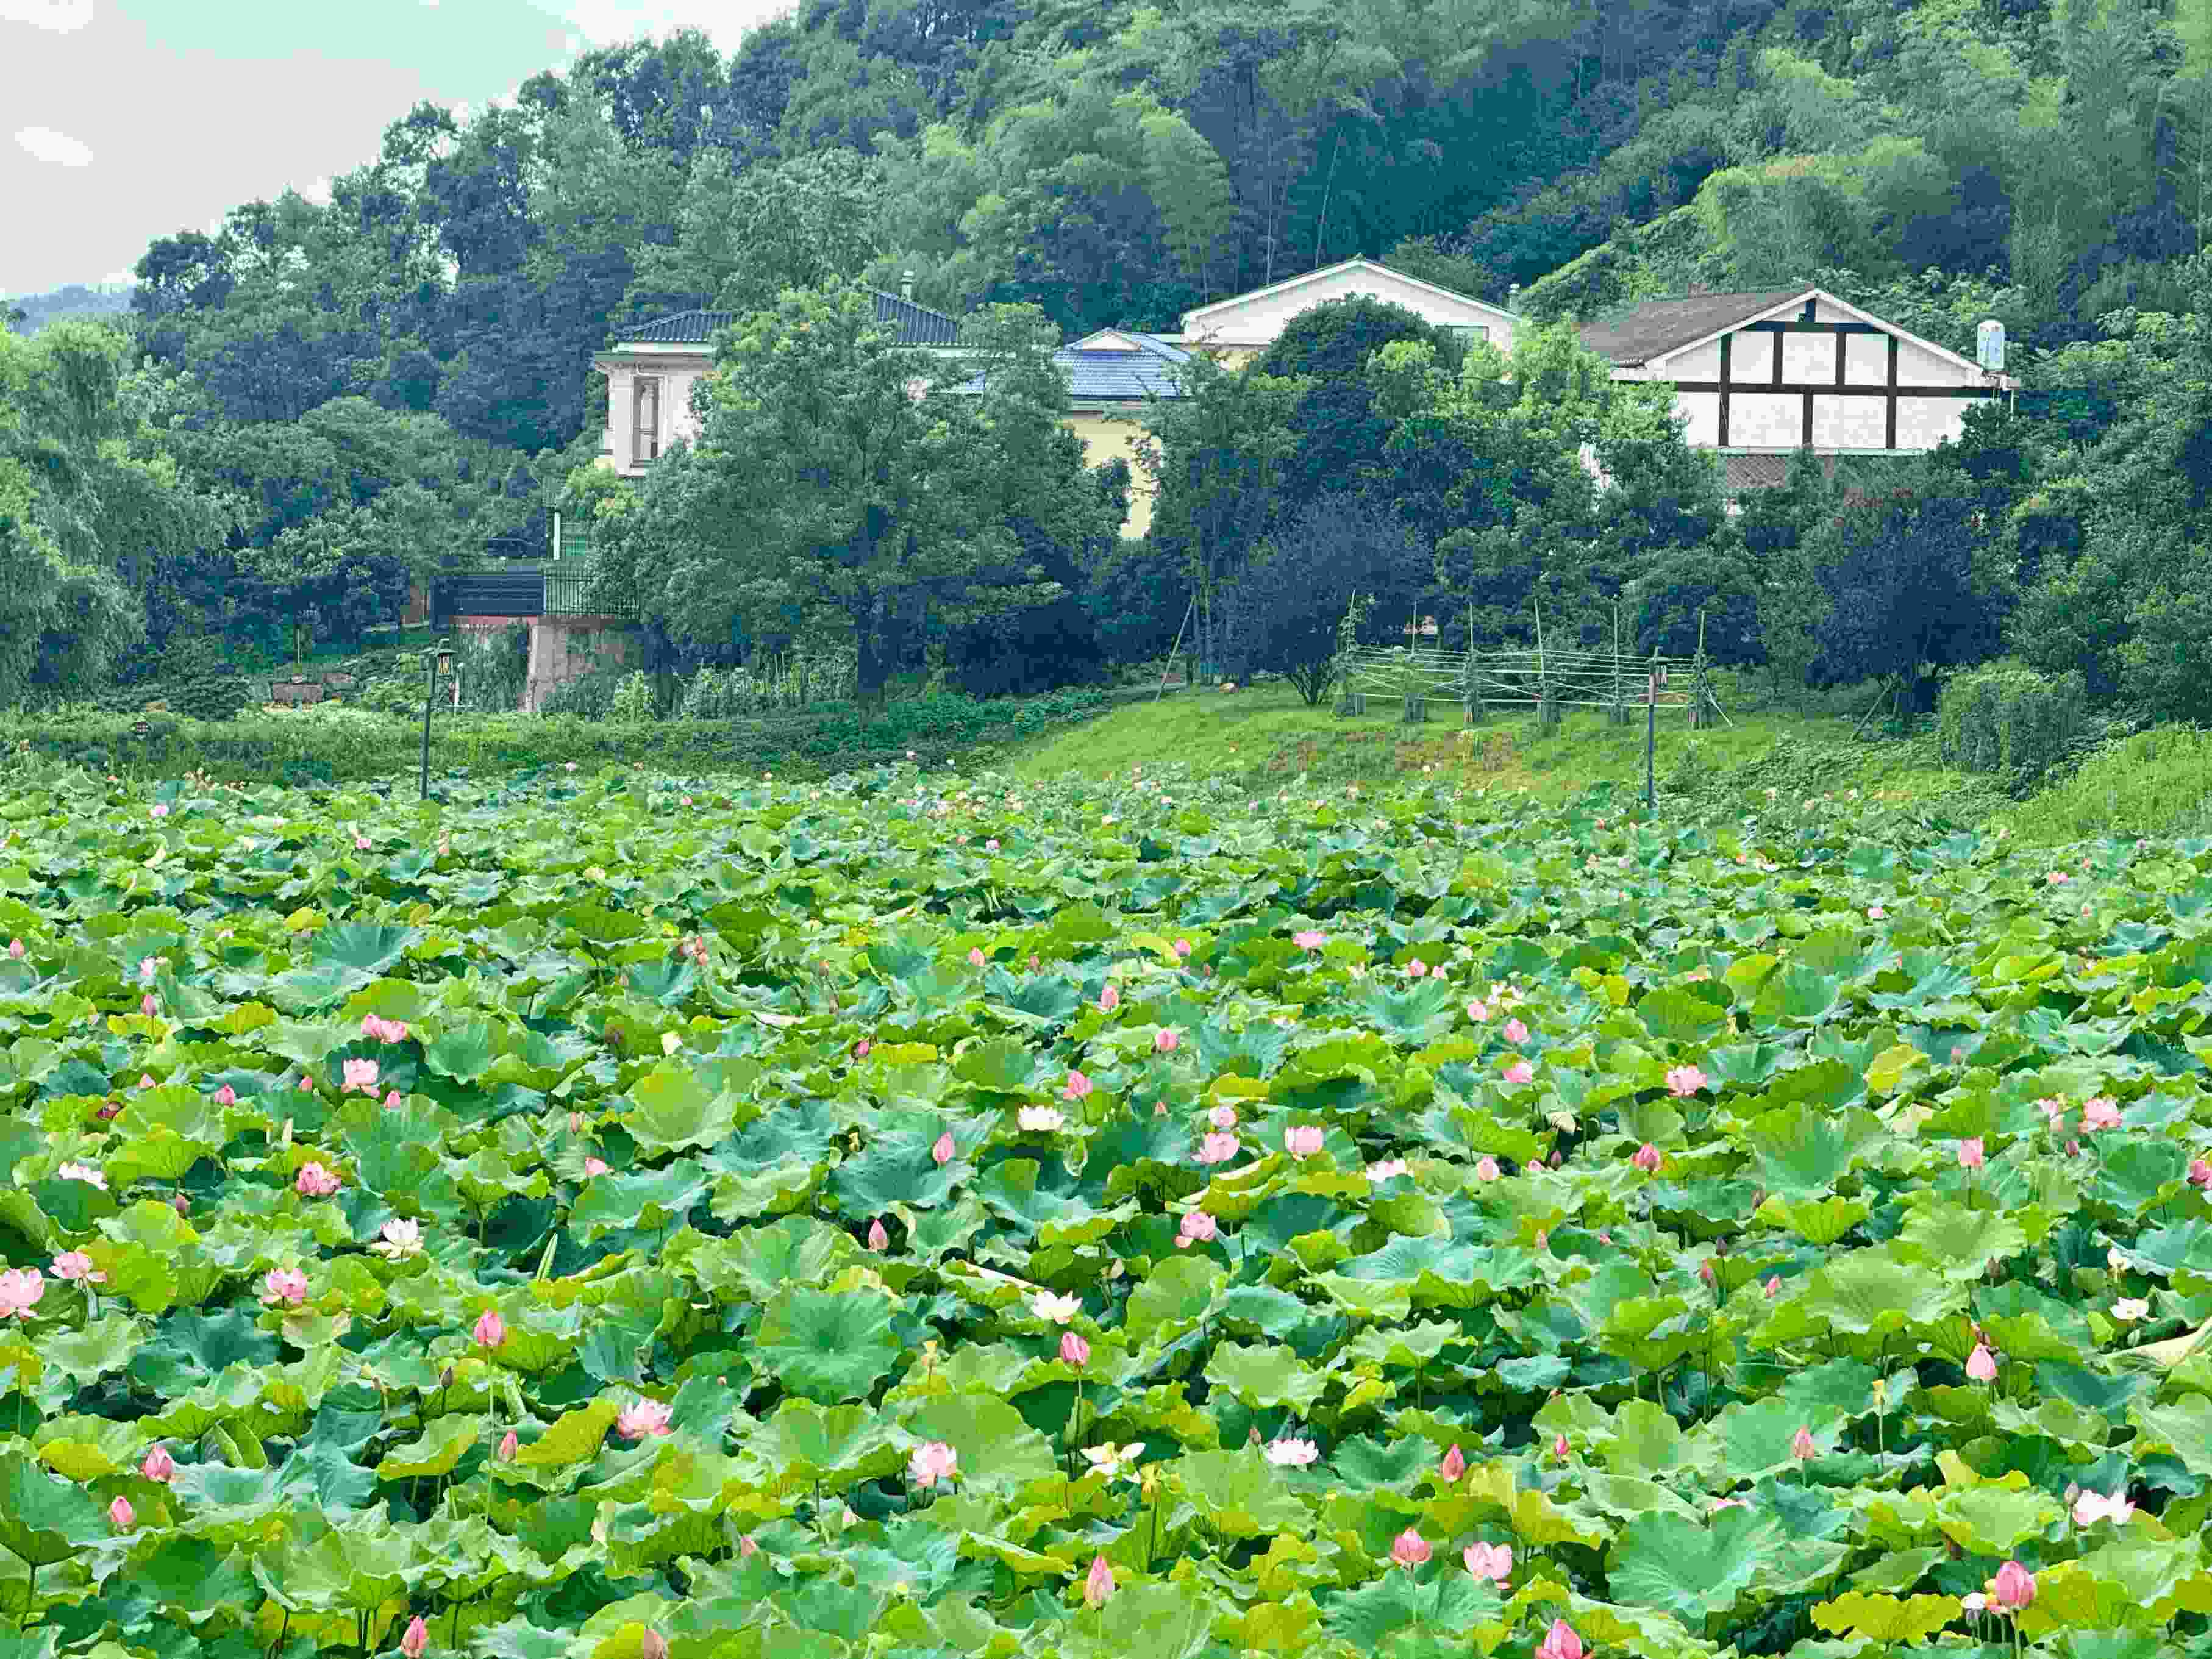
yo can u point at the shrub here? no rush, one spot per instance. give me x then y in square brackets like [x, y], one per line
[2005, 718]
[494, 665]
[633, 703]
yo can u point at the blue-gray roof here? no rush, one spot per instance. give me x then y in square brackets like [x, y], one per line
[1102, 375]
[915, 325]
[1117, 376]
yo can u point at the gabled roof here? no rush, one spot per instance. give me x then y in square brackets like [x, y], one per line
[1129, 339]
[1661, 328]
[1656, 327]
[1126, 374]
[915, 325]
[1195, 322]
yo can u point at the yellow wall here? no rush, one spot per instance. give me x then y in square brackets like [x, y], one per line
[1114, 437]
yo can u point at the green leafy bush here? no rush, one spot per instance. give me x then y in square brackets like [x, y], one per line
[2006, 718]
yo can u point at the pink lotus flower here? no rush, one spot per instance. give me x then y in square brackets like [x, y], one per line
[1646, 1158]
[1982, 1364]
[1492, 1561]
[1041, 1120]
[1560, 1448]
[2101, 1113]
[1073, 1349]
[1302, 1141]
[1515, 1032]
[1772, 1288]
[1409, 1549]
[1478, 1011]
[2013, 1587]
[159, 1465]
[2057, 878]
[76, 1267]
[941, 1149]
[1097, 1583]
[1560, 1642]
[1705, 1275]
[122, 1514]
[286, 1285]
[489, 1330]
[1386, 1169]
[1198, 1228]
[147, 1005]
[878, 1238]
[1487, 1169]
[1183, 947]
[1165, 1042]
[316, 1182]
[159, 809]
[1309, 939]
[1683, 1081]
[145, 1079]
[2200, 1174]
[1223, 1118]
[15, 949]
[594, 1165]
[1453, 1466]
[1110, 998]
[508, 1447]
[644, 1416]
[1078, 1086]
[747, 1548]
[1217, 1148]
[2090, 1508]
[20, 1292]
[1971, 1153]
[932, 1463]
[992, 845]
[975, 956]
[1519, 1073]
[1291, 1454]
[1876, 913]
[1802, 1446]
[1416, 968]
[418, 1638]
[2128, 1309]
[359, 1074]
[226, 1096]
[84, 1172]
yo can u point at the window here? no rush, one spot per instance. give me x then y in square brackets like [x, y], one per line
[645, 440]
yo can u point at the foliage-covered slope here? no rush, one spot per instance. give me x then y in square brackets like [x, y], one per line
[863, 1219]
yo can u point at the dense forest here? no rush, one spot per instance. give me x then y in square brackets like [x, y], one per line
[354, 388]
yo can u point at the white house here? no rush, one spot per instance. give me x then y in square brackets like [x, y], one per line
[1235, 331]
[1761, 377]
[652, 368]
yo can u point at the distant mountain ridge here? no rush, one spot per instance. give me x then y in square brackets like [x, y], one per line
[72, 300]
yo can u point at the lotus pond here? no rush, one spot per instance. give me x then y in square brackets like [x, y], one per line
[914, 1216]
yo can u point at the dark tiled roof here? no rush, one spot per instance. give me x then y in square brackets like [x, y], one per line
[1097, 376]
[1657, 327]
[916, 325]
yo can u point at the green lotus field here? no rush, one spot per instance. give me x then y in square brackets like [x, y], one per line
[601, 1218]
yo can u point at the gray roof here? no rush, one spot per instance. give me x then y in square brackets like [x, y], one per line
[1099, 374]
[1096, 377]
[915, 325]
[1656, 327]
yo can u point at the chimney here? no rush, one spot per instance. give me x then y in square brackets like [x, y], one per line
[1513, 299]
[906, 285]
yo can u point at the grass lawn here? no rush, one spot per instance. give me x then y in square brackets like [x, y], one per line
[2159, 783]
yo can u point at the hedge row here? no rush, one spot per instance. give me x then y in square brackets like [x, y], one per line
[2005, 718]
[304, 747]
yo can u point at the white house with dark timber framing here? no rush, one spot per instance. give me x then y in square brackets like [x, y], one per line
[1762, 377]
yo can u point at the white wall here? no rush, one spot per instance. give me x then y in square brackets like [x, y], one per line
[1257, 320]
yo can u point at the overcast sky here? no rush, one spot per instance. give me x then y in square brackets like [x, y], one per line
[123, 120]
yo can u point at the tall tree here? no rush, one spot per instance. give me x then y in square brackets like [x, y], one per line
[836, 471]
